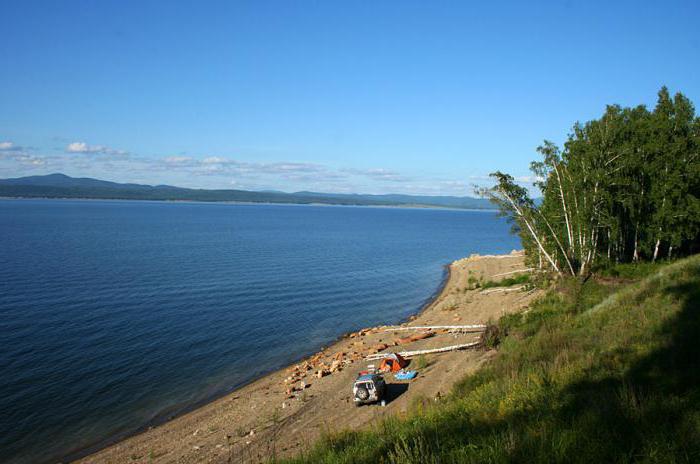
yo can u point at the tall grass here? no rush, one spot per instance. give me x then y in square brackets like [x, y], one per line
[618, 384]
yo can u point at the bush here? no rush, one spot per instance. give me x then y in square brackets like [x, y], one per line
[491, 337]
[520, 279]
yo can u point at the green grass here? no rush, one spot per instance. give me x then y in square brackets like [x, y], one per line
[632, 271]
[421, 362]
[520, 279]
[601, 371]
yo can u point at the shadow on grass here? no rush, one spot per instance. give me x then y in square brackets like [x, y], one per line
[675, 369]
[648, 408]
[629, 408]
[395, 390]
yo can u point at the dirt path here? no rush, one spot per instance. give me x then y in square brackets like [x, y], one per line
[287, 410]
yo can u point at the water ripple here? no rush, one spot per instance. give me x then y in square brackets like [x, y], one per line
[115, 313]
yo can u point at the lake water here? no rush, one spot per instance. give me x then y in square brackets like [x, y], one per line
[115, 314]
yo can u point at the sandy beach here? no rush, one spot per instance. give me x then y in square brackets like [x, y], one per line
[286, 411]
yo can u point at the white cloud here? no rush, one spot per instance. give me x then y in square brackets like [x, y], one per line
[215, 160]
[10, 151]
[518, 179]
[35, 161]
[10, 147]
[220, 171]
[182, 160]
[528, 179]
[24, 159]
[291, 176]
[379, 174]
[291, 167]
[218, 165]
[82, 147]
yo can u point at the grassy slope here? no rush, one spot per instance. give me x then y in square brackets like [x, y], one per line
[607, 371]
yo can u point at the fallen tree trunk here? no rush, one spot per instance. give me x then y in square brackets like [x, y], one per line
[514, 272]
[501, 289]
[408, 354]
[456, 328]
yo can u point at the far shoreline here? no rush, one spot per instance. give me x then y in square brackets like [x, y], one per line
[251, 203]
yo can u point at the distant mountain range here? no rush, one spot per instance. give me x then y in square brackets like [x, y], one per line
[63, 186]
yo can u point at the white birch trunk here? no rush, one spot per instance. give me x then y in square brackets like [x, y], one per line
[577, 214]
[569, 234]
[586, 252]
[533, 233]
[656, 249]
[663, 205]
[556, 239]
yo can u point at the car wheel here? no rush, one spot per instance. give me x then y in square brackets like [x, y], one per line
[362, 393]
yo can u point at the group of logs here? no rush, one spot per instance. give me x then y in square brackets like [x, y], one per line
[320, 365]
[324, 363]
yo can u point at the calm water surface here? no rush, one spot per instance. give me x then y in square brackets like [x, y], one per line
[115, 314]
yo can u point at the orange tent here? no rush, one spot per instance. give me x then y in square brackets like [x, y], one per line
[392, 363]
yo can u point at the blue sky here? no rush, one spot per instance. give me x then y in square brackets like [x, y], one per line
[375, 97]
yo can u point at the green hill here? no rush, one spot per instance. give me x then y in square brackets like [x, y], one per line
[602, 371]
[63, 186]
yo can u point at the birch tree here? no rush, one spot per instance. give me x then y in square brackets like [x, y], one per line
[625, 187]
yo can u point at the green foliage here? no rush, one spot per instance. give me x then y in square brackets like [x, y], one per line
[491, 337]
[596, 371]
[473, 282]
[421, 362]
[517, 280]
[625, 188]
[631, 270]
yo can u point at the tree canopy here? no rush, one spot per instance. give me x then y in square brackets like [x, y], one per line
[624, 188]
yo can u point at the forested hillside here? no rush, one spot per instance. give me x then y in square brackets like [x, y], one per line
[62, 186]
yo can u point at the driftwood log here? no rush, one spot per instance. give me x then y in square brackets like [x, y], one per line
[408, 354]
[456, 328]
